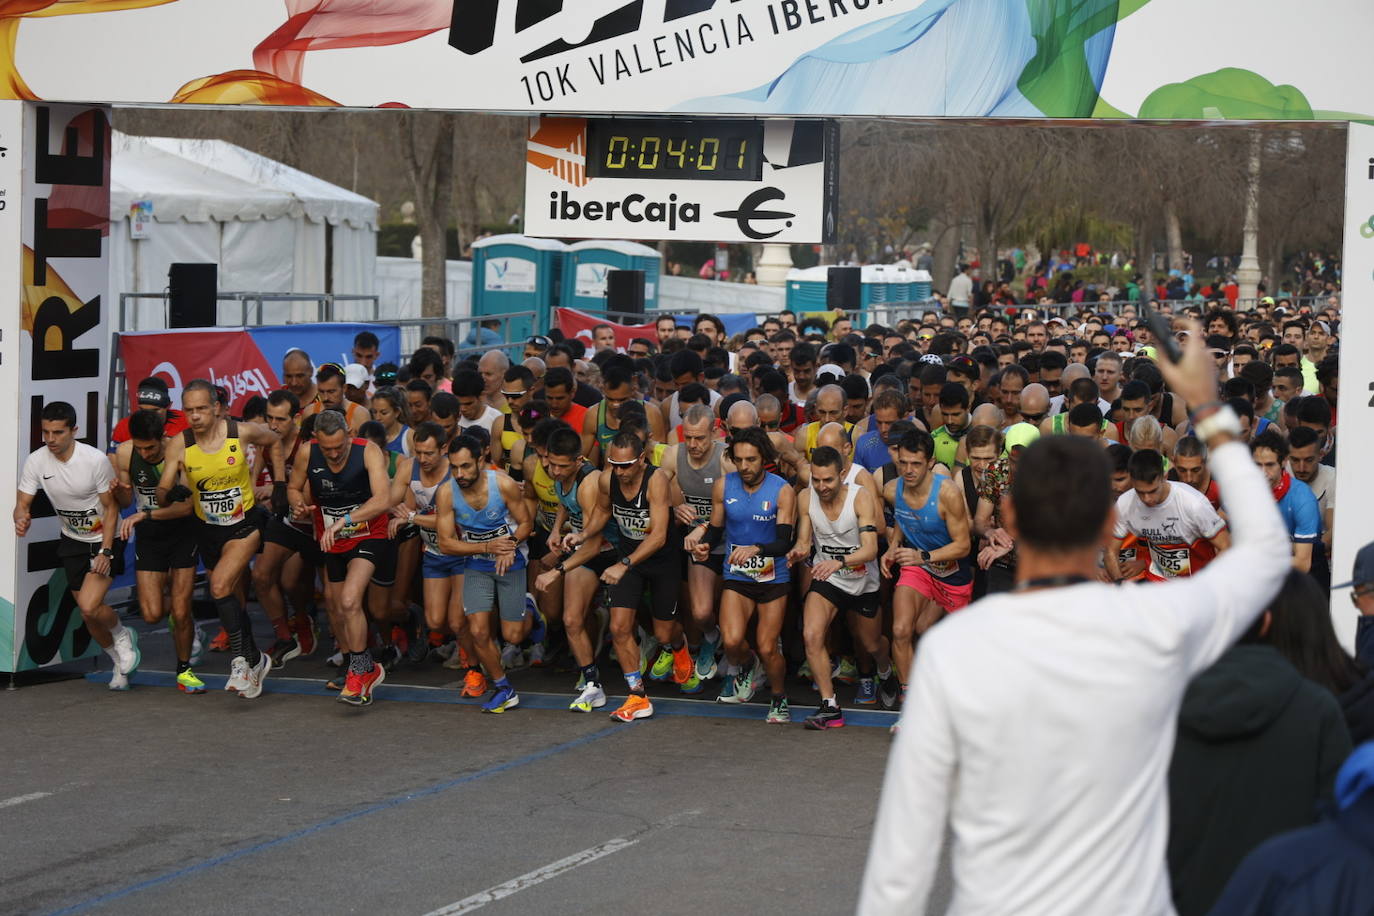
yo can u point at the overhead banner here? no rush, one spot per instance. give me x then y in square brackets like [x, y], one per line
[788, 58]
[244, 361]
[1355, 408]
[61, 326]
[720, 179]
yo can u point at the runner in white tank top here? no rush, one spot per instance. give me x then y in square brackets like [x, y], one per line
[838, 521]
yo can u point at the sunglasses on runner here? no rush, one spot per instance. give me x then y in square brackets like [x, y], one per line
[514, 394]
[539, 340]
[622, 464]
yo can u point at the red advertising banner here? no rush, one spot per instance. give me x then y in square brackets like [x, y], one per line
[574, 323]
[230, 359]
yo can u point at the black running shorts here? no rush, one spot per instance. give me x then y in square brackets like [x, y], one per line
[381, 552]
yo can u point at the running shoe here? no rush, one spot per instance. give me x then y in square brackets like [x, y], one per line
[636, 706]
[256, 675]
[352, 692]
[684, 668]
[826, 717]
[504, 698]
[591, 697]
[539, 655]
[458, 660]
[371, 681]
[283, 650]
[400, 639]
[511, 657]
[474, 684]
[390, 655]
[693, 684]
[307, 634]
[419, 643]
[728, 685]
[339, 681]
[890, 691]
[662, 668]
[126, 646]
[868, 692]
[197, 645]
[804, 672]
[648, 646]
[540, 631]
[238, 675]
[846, 672]
[779, 712]
[187, 682]
[118, 681]
[747, 682]
[706, 659]
[221, 641]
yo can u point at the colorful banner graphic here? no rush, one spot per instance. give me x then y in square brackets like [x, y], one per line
[63, 331]
[574, 323]
[869, 58]
[245, 361]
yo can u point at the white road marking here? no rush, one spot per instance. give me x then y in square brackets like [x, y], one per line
[20, 799]
[554, 869]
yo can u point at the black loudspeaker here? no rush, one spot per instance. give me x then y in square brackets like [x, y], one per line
[191, 290]
[842, 288]
[625, 291]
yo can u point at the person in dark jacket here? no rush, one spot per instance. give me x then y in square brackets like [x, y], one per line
[1327, 869]
[1303, 633]
[1258, 747]
[1362, 581]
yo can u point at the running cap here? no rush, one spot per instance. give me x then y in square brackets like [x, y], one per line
[152, 391]
[356, 375]
[1020, 435]
[1363, 571]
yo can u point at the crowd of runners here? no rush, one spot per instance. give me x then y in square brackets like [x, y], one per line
[806, 498]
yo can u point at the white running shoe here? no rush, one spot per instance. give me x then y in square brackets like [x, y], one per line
[537, 653]
[126, 645]
[511, 657]
[118, 681]
[591, 697]
[197, 646]
[238, 675]
[256, 675]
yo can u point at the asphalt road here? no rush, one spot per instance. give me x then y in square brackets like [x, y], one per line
[155, 802]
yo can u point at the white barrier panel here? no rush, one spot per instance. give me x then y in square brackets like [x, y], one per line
[59, 333]
[1355, 428]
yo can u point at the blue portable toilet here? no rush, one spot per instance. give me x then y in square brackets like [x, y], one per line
[517, 273]
[806, 289]
[920, 286]
[585, 265]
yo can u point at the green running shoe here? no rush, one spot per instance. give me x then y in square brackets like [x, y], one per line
[779, 713]
[187, 682]
[663, 665]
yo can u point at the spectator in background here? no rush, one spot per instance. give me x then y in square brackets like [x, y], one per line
[603, 338]
[485, 334]
[1326, 869]
[1258, 747]
[366, 349]
[961, 290]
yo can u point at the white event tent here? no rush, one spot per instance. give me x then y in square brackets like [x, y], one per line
[269, 227]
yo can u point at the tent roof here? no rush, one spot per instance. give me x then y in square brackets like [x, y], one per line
[211, 180]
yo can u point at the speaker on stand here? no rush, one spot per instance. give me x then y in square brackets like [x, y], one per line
[191, 291]
[625, 291]
[843, 287]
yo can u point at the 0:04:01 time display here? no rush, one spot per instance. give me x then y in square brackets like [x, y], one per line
[616, 149]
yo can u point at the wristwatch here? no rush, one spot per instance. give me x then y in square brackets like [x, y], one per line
[925, 556]
[107, 552]
[626, 561]
[560, 567]
[148, 513]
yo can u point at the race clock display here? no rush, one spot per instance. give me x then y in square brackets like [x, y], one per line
[697, 149]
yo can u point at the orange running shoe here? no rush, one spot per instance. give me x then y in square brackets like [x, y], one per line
[474, 683]
[636, 706]
[684, 666]
[221, 642]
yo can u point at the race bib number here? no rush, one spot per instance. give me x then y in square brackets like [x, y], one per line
[1172, 560]
[222, 507]
[633, 524]
[333, 516]
[545, 518]
[701, 506]
[481, 537]
[759, 568]
[943, 569]
[838, 554]
[429, 536]
[81, 524]
[147, 497]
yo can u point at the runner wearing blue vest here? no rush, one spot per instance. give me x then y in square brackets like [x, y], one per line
[931, 548]
[494, 520]
[754, 511]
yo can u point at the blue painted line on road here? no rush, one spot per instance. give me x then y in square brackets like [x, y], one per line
[357, 813]
[665, 706]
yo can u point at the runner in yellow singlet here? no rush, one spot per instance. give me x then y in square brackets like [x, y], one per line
[211, 458]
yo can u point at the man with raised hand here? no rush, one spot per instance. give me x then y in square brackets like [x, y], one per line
[1037, 830]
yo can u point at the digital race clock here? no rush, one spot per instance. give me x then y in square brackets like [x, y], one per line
[717, 150]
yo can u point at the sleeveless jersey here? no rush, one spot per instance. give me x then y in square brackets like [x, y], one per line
[632, 517]
[145, 477]
[1060, 424]
[547, 496]
[399, 444]
[488, 523]
[222, 481]
[835, 540]
[924, 529]
[569, 500]
[604, 434]
[698, 483]
[812, 432]
[510, 434]
[300, 444]
[338, 493]
[425, 498]
[752, 518]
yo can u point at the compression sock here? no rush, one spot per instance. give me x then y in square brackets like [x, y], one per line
[234, 620]
[591, 675]
[361, 662]
[635, 681]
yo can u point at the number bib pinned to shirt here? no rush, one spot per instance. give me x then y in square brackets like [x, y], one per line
[222, 507]
[81, 523]
[481, 537]
[332, 516]
[838, 554]
[941, 569]
[759, 568]
[1172, 559]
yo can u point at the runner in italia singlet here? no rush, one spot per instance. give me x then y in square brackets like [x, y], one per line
[924, 529]
[752, 518]
[222, 481]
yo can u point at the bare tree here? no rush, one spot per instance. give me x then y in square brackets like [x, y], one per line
[427, 144]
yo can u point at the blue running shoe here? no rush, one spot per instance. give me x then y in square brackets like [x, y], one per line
[540, 631]
[706, 658]
[727, 690]
[868, 692]
[504, 698]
